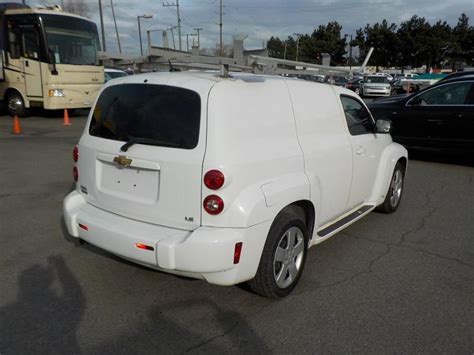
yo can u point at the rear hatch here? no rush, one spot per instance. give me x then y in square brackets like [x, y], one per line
[141, 155]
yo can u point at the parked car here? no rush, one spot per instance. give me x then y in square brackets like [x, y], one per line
[228, 179]
[354, 85]
[375, 85]
[111, 73]
[440, 117]
[311, 77]
[405, 76]
[458, 74]
[385, 75]
[402, 86]
[336, 80]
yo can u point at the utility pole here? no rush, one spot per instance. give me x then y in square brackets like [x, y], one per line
[199, 42]
[221, 48]
[172, 35]
[104, 48]
[179, 19]
[187, 40]
[298, 36]
[116, 29]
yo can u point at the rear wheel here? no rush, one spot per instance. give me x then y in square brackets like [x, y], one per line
[395, 191]
[15, 105]
[283, 256]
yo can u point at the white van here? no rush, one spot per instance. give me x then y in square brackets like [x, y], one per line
[228, 179]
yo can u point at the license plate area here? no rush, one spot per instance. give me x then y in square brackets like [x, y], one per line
[130, 183]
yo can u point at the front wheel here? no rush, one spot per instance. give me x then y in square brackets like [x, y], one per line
[395, 190]
[283, 256]
[15, 105]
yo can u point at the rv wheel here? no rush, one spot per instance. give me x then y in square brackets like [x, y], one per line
[15, 105]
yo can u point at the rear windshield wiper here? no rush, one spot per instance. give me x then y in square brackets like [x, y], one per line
[151, 141]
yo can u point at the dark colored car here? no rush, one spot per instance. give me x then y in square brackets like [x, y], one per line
[354, 85]
[399, 87]
[459, 74]
[336, 80]
[440, 117]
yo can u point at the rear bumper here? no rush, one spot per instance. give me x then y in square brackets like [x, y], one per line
[376, 92]
[205, 253]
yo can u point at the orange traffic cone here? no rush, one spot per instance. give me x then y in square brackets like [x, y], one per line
[16, 125]
[66, 118]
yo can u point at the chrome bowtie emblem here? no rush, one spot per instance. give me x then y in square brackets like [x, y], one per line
[122, 160]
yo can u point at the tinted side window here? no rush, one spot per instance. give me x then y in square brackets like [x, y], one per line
[451, 94]
[357, 117]
[157, 114]
[30, 44]
[14, 40]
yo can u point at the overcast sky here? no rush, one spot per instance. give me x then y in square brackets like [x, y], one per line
[260, 19]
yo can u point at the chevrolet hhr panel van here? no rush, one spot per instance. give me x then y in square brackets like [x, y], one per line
[228, 179]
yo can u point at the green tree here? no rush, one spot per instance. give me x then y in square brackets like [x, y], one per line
[324, 39]
[463, 46]
[413, 38]
[383, 38]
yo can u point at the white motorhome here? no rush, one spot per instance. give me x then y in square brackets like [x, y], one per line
[48, 59]
[228, 179]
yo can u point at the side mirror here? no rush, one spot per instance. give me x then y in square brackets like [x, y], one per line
[383, 126]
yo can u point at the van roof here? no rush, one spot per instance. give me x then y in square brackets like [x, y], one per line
[213, 76]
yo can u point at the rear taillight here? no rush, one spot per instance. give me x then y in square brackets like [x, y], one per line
[213, 204]
[214, 179]
[75, 173]
[75, 154]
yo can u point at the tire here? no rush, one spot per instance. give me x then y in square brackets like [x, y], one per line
[283, 257]
[395, 191]
[15, 105]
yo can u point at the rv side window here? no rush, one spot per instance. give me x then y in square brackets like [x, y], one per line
[30, 44]
[14, 40]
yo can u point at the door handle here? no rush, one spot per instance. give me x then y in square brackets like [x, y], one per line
[26, 63]
[460, 115]
[360, 150]
[435, 121]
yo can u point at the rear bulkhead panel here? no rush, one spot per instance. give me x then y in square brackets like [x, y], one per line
[157, 182]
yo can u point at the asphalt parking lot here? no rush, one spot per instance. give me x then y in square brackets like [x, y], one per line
[400, 283]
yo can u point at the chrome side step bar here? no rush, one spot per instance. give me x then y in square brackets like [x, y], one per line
[349, 218]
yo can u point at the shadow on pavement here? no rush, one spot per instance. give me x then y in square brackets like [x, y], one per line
[160, 334]
[442, 157]
[47, 312]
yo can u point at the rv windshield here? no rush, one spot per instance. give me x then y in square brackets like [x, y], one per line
[72, 40]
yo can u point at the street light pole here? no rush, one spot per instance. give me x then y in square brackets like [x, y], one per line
[140, 30]
[350, 54]
[104, 48]
[350, 50]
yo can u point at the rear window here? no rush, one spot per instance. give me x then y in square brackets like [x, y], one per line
[376, 79]
[158, 115]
